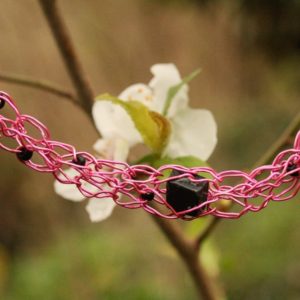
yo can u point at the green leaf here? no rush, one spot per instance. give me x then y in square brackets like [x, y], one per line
[148, 159]
[186, 161]
[192, 229]
[210, 257]
[173, 90]
[156, 161]
[153, 127]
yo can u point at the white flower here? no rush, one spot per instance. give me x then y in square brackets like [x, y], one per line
[193, 130]
[98, 208]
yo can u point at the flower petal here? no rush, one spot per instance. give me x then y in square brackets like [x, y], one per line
[112, 121]
[100, 208]
[102, 146]
[116, 149]
[194, 132]
[121, 150]
[165, 77]
[68, 191]
[139, 92]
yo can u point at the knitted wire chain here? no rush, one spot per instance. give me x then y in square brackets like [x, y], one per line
[142, 186]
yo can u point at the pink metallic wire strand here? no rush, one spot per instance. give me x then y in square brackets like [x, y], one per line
[124, 183]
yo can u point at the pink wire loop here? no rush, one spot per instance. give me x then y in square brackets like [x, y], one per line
[126, 184]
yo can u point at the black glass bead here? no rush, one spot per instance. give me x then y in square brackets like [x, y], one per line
[147, 196]
[80, 160]
[184, 194]
[2, 103]
[292, 167]
[24, 154]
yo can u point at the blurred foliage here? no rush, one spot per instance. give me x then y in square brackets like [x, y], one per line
[98, 265]
[271, 25]
[49, 250]
[200, 3]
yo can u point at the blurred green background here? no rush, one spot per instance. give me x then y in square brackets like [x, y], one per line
[249, 52]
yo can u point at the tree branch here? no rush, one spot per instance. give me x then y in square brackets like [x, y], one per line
[38, 84]
[281, 142]
[64, 43]
[184, 247]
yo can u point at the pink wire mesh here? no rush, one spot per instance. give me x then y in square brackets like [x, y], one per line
[126, 184]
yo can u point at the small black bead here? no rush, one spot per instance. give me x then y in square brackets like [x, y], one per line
[292, 167]
[147, 196]
[2, 103]
[24, 154]
[80, 160]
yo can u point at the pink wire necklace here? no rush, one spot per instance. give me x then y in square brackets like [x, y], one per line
[171, 191]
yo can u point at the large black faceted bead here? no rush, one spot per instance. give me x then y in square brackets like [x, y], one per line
[184, 194]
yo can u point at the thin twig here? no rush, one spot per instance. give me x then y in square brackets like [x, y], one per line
[206, 232]
[281, 142]
[64, 43]
[266, 158]
[38, 84]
